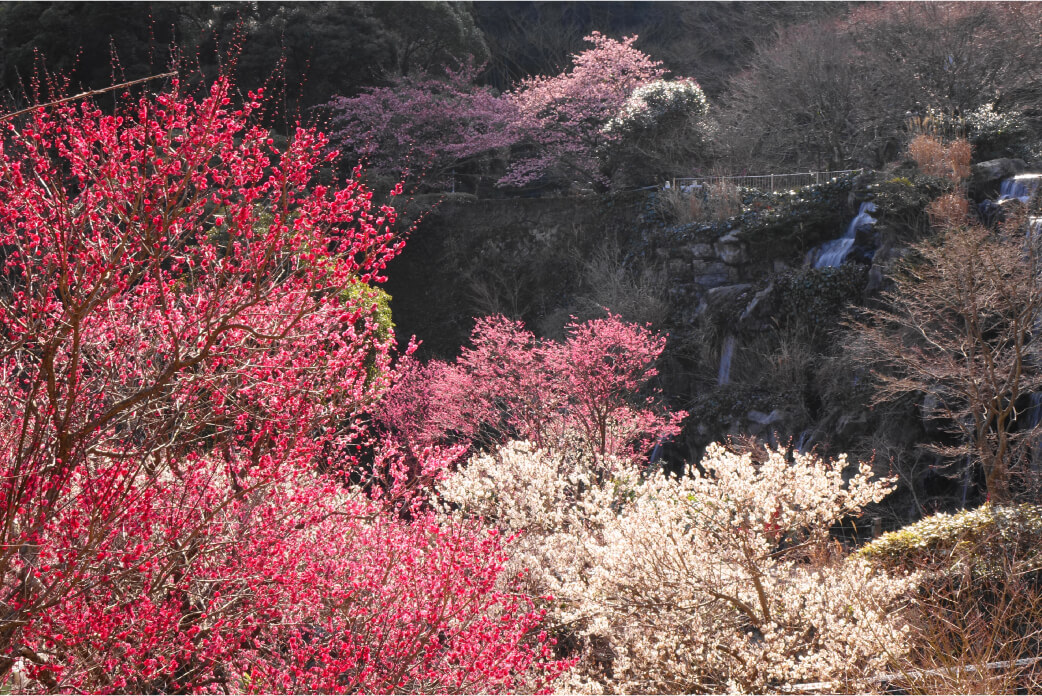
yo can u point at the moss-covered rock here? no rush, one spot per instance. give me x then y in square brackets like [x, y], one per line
[817, 298]
[786, 224]
[973, 539]
[901, 197]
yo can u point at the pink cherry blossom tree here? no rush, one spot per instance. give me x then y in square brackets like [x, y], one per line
[424, 124]
[561, 118]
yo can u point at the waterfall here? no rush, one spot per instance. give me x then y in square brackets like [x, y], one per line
[657, 452]
[1020, 187]
[1034, 226]
[834, 252]
[967, 478]
[1033, 416]
[804, 440]
[723, 376]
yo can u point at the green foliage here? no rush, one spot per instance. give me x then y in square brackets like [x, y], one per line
[377, 303]
[998, 134]
[992, 133]
[77, 40]
[971, 539]
[659, 105]
[315, 49]
[661, 131]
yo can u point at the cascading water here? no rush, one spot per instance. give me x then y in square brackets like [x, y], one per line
[834, 252]
[804, 440]
[1033, 416]
[1020, 187]
[967, 479]
[1034, 226]
[723, 376]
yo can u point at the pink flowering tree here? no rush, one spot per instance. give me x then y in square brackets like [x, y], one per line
[591, 391]
[424, 124]
[561, 119]
[188, 335]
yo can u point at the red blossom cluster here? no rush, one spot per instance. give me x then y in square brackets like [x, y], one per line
[188, 335]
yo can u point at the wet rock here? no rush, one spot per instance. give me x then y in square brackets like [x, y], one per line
[759, 301]
[727, 293]
[987, 175]
[731, 250]
[711, 273]
[765, 418]
[720, 297]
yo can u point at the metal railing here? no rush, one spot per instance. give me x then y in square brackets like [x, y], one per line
[765, 182]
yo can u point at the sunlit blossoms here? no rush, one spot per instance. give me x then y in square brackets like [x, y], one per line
[724, 579]
[563, 116]
[652, 103]
[188, 335]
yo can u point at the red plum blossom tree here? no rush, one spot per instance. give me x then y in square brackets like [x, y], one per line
[589, 392]
[188, 334]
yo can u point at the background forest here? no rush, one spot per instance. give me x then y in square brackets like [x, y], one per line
[521, 347]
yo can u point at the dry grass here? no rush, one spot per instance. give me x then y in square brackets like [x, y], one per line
[950, 210]
[972, 630]
[637, 291]
[959, 154]
[714, 202]
[934, 157]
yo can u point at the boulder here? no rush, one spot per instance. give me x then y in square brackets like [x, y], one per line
[727, 293]
[757, 303]
[721, 296]
[711, 273]
[987, 175]
[702, 251]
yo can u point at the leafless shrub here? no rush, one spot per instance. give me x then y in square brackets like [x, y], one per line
[958, 327]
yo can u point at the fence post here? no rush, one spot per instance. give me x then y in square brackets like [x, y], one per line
[772, 183]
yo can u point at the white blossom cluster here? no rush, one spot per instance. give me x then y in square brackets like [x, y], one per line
[723, 579]
[649, 104]
[985, 121]
[554, 503]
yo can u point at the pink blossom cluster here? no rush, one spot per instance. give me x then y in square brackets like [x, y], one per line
[591, 391]
[547, 125]
[423, 124]
[563, 117]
